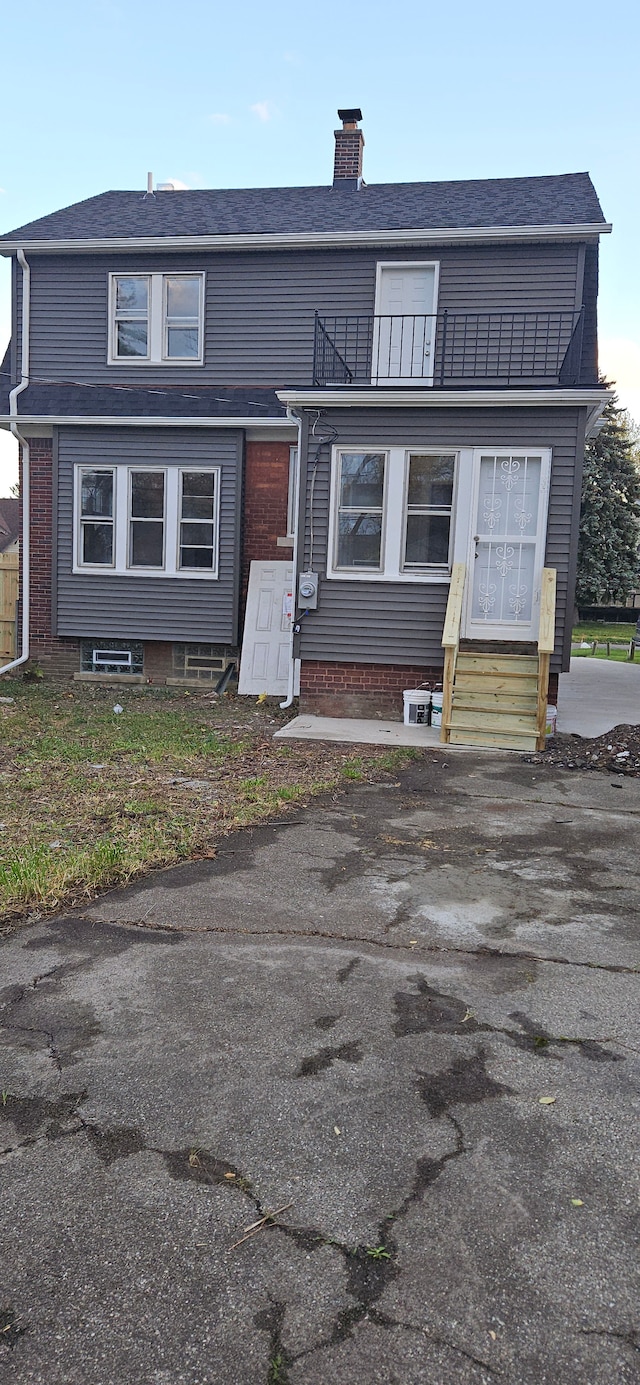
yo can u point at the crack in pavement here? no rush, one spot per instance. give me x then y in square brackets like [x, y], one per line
[368, 1269]
[415, 948]
[52, 1048]
[631, 1338]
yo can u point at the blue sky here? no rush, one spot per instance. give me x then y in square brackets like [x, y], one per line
[95, 94]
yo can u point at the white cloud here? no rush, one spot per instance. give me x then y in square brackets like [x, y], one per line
[3, 190]
[263, 110]
[291, 57]
[220, 118]
[620, 363]
[178, 185]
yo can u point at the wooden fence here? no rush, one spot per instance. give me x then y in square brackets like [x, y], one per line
[9, 582]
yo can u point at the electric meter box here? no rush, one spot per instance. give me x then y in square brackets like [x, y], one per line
[308, 590]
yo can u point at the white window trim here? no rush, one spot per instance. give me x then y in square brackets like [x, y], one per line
[156, 318]
[79, 565]
[156, 519]
[120, 565]
[394, 516]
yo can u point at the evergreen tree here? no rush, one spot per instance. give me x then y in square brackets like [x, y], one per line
[608, 549]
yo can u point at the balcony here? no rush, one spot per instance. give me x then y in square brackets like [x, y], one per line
[450, 350]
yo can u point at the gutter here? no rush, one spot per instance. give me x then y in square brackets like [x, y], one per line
[440, 235]
[139, 421]
[377, 396]
[13, 416]
[297, 420]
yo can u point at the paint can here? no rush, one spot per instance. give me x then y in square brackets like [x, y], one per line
[436, 707]
[552, 716]
[417, 702]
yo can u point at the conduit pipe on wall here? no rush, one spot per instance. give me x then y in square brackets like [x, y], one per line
[294, 418]
[13, 424]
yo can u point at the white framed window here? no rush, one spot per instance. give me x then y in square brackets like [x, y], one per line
[156, 319]
[146, 518]
[95, 507]
[360, 496]
[394, 513]
[147, 521]
[428, 510]
[197, 520]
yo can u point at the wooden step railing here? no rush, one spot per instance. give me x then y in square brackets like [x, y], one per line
[546, 641]
[450, 642]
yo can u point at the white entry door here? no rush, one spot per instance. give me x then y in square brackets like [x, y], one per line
[266, 642]
[506, 557]
[404, 326]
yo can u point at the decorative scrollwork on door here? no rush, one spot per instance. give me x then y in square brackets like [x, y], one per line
[504, 558]
[487, 597]
[509, 468]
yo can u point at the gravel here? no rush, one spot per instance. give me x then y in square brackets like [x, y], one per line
[616, 752]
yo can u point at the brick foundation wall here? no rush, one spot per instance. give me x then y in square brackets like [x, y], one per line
[158, 661]
[368, 690]
[266, 493]
[59, 656]
[360, 690]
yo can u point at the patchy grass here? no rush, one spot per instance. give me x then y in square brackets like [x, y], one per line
[599, 630]
[618, 655]
[90, 799]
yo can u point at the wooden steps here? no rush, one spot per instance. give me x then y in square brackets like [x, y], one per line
[495, 700]
[494, 693]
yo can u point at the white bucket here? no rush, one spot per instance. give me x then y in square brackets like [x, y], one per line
[550, 727]
[416, 706]
[436, 707]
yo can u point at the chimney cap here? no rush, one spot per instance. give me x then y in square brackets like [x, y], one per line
[350, 116]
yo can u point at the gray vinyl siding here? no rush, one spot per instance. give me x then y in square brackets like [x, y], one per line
[259, 307]
[150, 608]
[401, 623]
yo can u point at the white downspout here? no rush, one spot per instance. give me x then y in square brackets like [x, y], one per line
[294, 418]
[13, 424]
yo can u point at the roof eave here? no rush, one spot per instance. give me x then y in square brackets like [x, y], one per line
[441, 235]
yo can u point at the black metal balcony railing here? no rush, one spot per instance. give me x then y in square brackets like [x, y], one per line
[449, 349]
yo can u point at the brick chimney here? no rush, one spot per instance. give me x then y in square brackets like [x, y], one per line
[347, 167]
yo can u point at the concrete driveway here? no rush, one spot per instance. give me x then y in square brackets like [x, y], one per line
[405, 1024]
[598, 694]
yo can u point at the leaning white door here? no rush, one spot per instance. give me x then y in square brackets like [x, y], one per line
[266, 642]
[403, 333]
[509, 519]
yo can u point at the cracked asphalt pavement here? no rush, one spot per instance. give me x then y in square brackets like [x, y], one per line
[354, 1102]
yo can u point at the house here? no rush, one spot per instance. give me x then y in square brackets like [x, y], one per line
[9, 524]
[339, 396]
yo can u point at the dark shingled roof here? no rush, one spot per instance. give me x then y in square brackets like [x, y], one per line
[561, 199]
[55, 398]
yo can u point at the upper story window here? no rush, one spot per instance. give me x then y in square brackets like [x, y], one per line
[156, 319]
[391, 514]
[147, 521]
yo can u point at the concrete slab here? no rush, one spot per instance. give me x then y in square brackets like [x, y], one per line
[359, 730]
[408, 1019]
[598, 694]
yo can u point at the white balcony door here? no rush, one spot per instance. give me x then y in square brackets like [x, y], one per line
[506, 555]
[404, 327]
